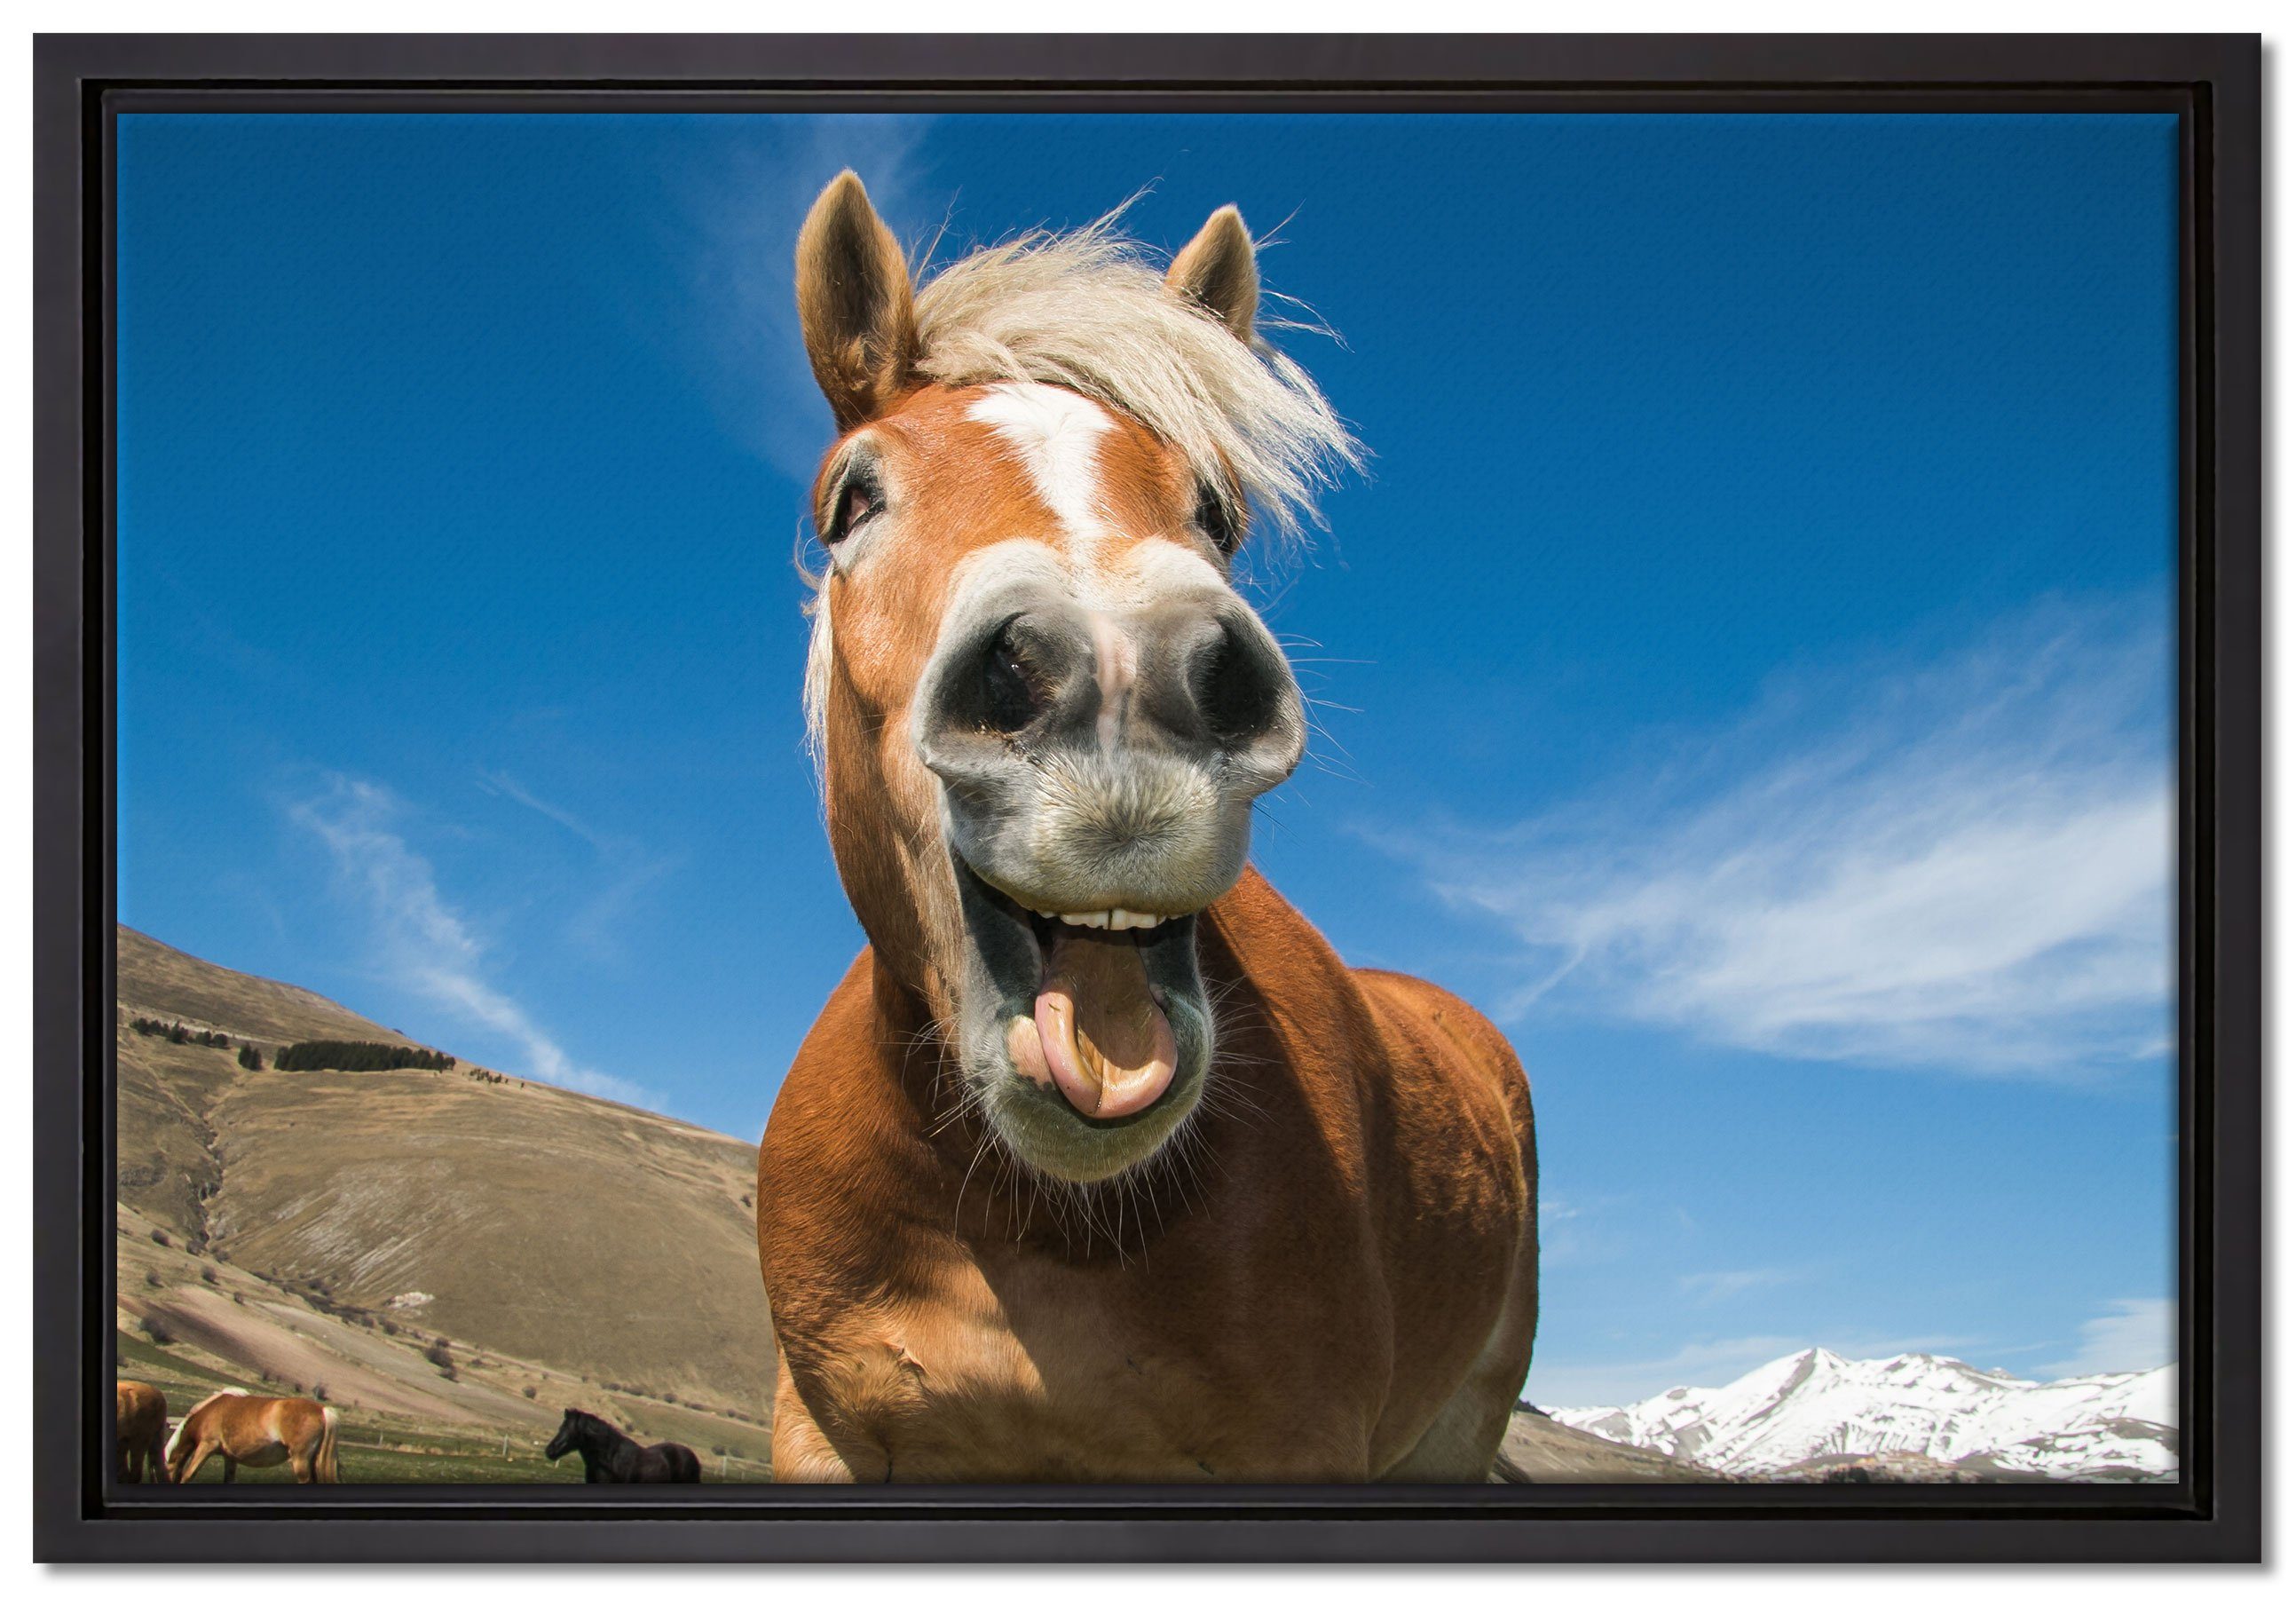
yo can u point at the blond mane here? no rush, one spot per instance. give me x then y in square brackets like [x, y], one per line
[1088, 309]
[212, 1397]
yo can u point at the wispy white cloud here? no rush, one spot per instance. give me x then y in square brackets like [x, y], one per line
[2136, 1334]
[423, 943]
[509, 787]
[742, 209]
[630, 868]
[1964, 863]
[1576, 1230]
[1582, 1229]
[1713, 1287]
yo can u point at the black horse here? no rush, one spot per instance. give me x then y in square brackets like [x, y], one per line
[607, 1455]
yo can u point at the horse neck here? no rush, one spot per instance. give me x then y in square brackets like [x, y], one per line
[600, 1443]
[885, 876]
[207, 1408]
[910, 1040]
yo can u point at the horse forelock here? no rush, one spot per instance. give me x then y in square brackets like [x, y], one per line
[1089, 310]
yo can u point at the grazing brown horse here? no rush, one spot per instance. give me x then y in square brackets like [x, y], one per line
[260, 1432]
[140, 1428]
[1099, 1163]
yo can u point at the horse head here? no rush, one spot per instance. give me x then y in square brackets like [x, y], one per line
[570, 1433]
[1042, 710]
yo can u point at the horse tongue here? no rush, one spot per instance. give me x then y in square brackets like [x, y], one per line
[1103, 1035]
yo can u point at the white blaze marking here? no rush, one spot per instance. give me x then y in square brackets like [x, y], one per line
[1115, 662]
[1057, 434]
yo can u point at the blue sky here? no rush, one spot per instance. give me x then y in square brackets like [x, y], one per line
[1746, 667]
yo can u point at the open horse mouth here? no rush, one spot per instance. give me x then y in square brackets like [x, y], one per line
[1098, 1034]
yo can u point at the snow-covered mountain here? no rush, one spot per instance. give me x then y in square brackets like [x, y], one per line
[1817, 1404]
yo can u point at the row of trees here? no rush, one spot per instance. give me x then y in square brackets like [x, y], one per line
[327, 1054]
[333, 1055]
[175, 1032]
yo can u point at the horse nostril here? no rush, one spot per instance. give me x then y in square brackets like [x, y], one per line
[1240, 687]
[1010, 699]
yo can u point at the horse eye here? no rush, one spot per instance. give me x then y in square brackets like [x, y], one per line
[857, 502]
[1221, 521]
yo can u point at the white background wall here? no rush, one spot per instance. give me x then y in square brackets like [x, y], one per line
[18, 1460]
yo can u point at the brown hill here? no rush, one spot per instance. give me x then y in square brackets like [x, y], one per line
[169, 985]
[1540, 1449]
[559, 1242]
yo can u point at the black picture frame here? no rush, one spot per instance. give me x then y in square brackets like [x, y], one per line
[2214, 85]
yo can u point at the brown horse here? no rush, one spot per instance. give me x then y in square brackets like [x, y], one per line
[1099, 1163]
[259, 1432]
[140, 1429]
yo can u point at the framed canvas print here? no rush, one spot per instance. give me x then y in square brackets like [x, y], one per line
[1146, 798]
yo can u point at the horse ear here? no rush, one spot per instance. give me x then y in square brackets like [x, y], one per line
[1217, 271]
[853, 304]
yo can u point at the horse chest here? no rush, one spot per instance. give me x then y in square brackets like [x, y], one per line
[1029, 1373]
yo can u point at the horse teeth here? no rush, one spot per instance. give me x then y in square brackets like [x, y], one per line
[1113, 920]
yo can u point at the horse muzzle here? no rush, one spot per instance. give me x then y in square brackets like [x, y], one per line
[1097, 774]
